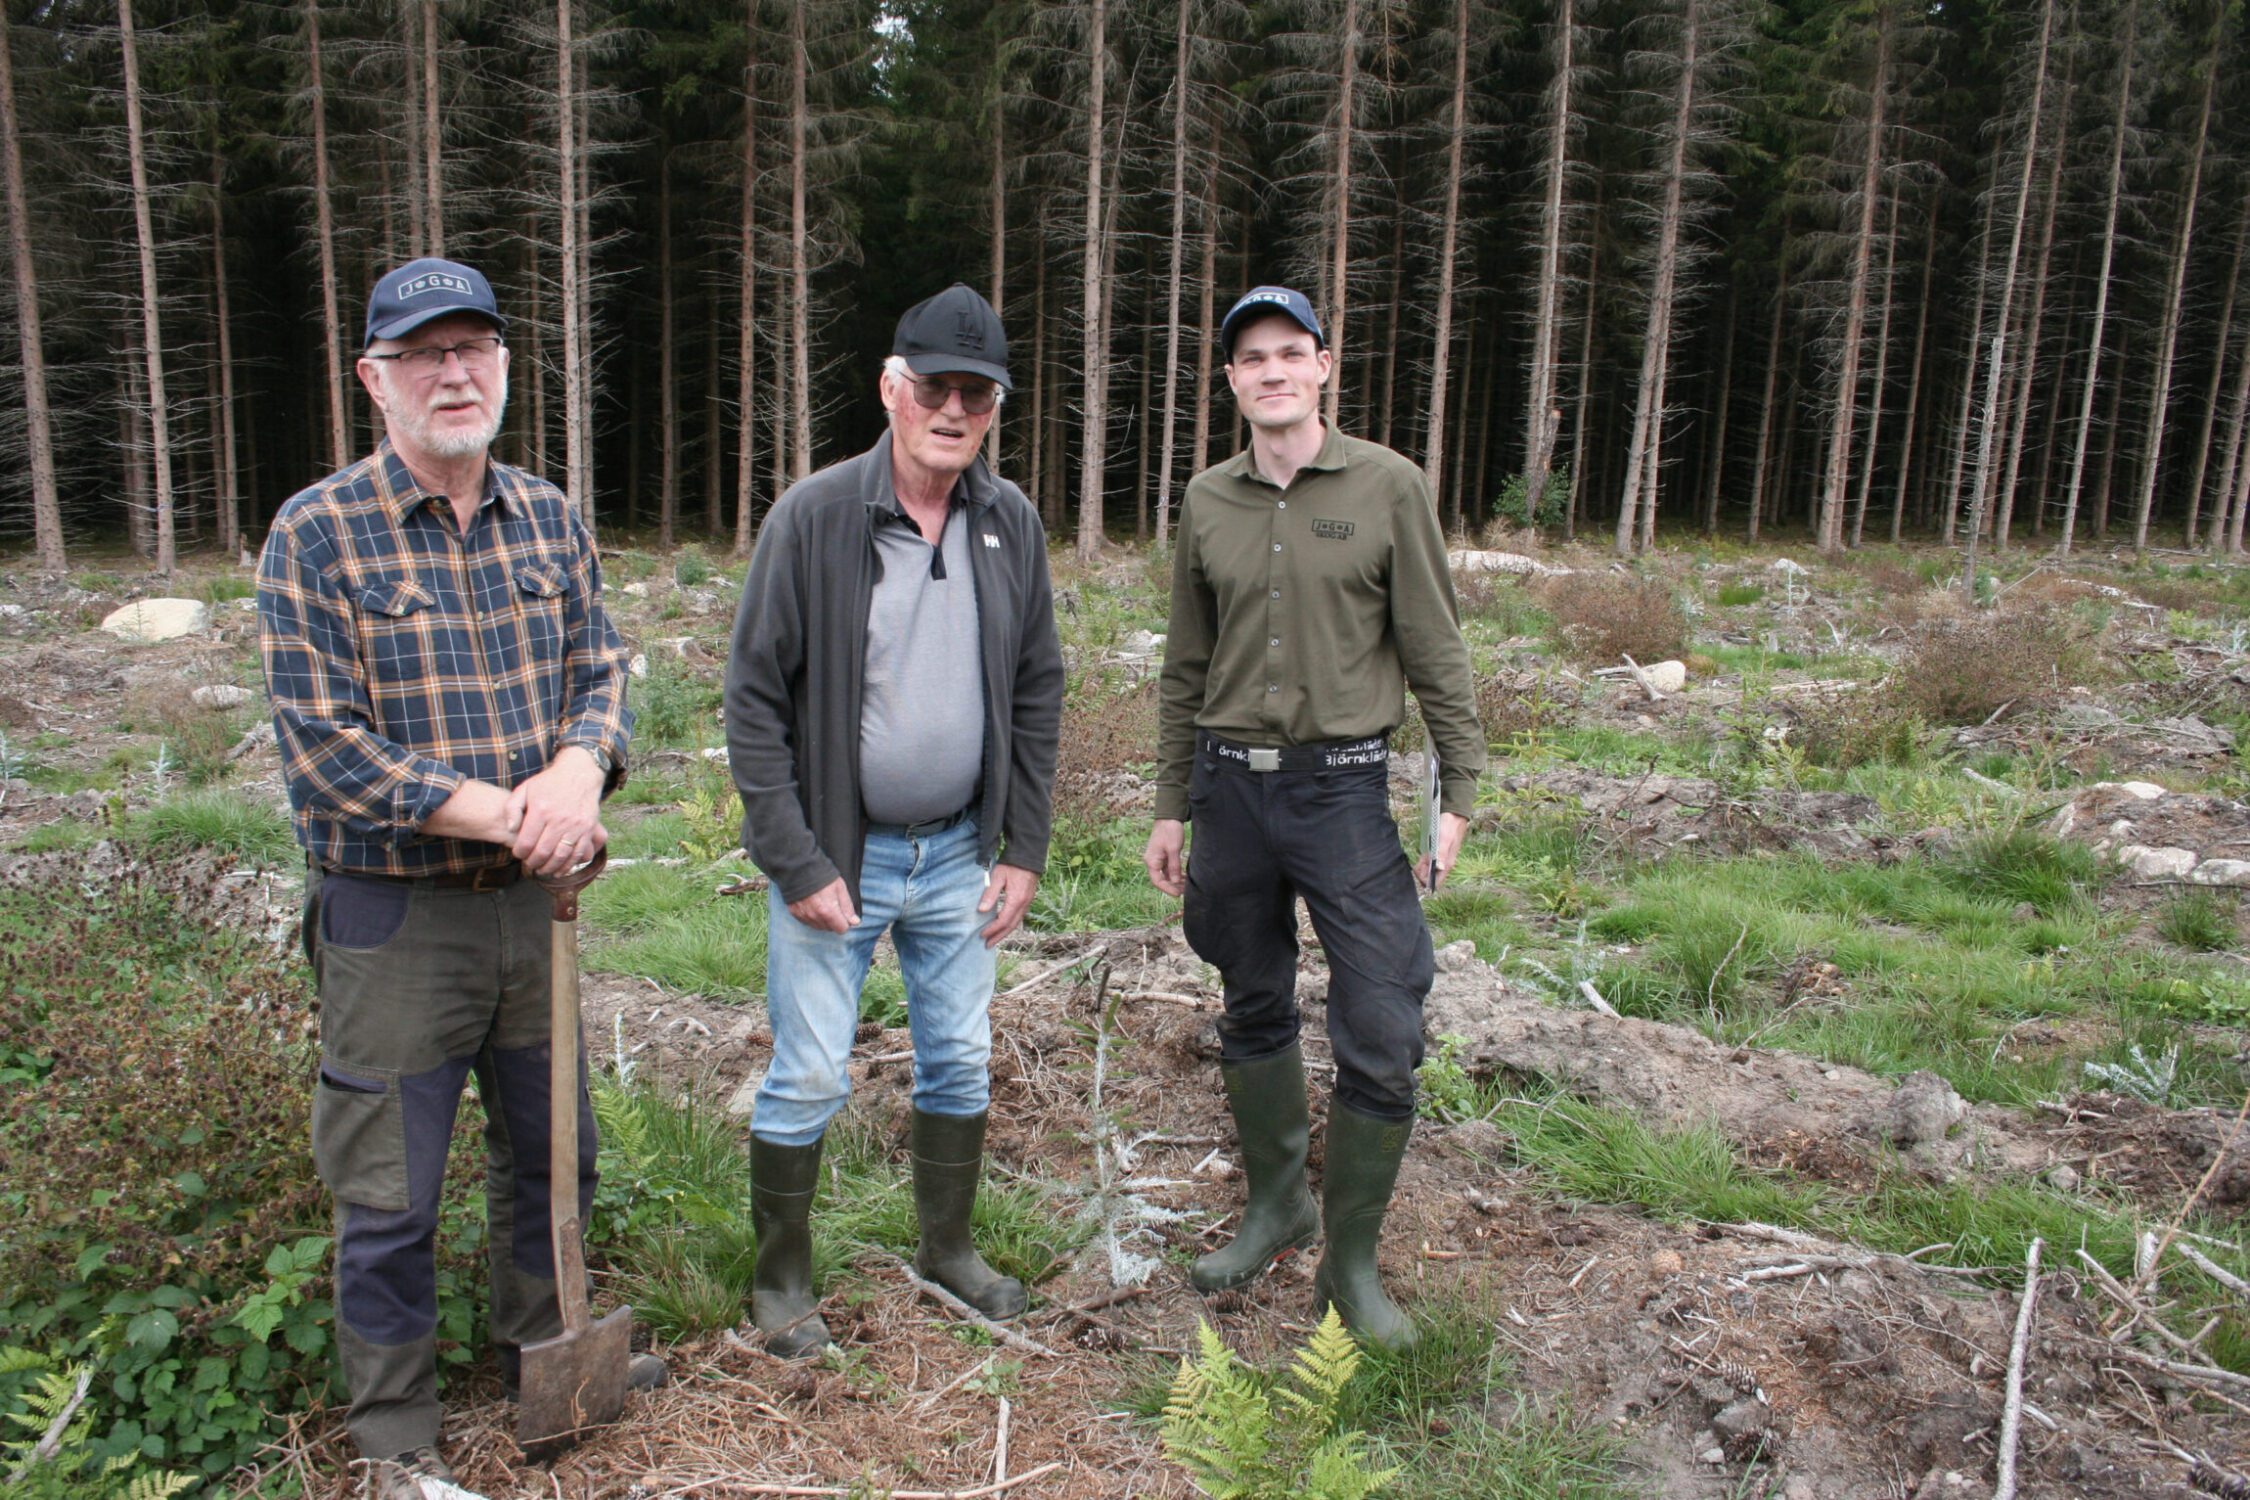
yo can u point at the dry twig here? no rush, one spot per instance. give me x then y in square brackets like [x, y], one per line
[2011, 1416]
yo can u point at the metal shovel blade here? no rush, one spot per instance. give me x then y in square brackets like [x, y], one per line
[574, 1381]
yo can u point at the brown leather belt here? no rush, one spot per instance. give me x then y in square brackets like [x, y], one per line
[489, 878]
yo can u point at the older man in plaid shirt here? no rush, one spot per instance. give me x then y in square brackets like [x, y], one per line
[449, 699]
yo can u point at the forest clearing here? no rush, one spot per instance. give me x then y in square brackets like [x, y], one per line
[1780, 1010]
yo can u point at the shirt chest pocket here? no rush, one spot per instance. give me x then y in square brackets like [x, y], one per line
[539, 601]
[397, 626]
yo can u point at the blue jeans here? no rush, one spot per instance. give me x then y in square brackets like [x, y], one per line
[924, 890]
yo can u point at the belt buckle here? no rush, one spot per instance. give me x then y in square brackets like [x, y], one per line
[1268, 759]
[492, 878]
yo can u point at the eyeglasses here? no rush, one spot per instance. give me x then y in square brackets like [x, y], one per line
[932, 393]
[475, 355]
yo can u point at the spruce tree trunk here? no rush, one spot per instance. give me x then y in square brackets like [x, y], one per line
[1765, 398]
[2167, 338]
[324, 215]
[152, 337]
[1855, 314]
[1914, 380]
[1648, 403]
[1206, 332]
[1715, 470]
[668, 406]
[1969, 382]
[574, 332]
[2033, 319]
[999, 252]
[1448, 252]
[800, 267]
[1880, 383]
[433, 172]
[746, 332]
[1540, 413]
[1339, 297]
[1093, 443]
[1037, 478]
[2218, 375]
[225, 480]
[1176, 257]
[1535, 494]
[46, 505]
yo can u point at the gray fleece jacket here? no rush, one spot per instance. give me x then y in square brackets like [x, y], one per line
[794, 677]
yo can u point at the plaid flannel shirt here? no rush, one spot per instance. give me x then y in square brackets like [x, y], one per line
[404, 658]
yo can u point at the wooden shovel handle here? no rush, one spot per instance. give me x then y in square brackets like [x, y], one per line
[564, 888]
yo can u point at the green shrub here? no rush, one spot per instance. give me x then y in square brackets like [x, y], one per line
[673, 706]
[1514, 499]
[1733, 594]
[1965, 670]
[691, 569]
[224, 588]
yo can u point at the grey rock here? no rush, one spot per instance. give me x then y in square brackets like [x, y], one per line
[1453, 958]
[151, 620]
[1743, 1420]
[2221, 872]
[1924, 1109]
[2063, 1178]
[2165, 863]
[220, 695]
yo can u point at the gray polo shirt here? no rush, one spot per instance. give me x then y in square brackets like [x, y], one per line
[921, 720]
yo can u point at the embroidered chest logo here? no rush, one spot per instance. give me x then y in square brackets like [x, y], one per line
[1335, 531]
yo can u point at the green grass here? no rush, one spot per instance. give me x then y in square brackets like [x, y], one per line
[222, 588]
[1095, 879]
[254, 832]
[51, 838]
[1732, 594]
[1937, 961]
[674, 707]
[667, 924]
[1596, 1154]
[2198, 918]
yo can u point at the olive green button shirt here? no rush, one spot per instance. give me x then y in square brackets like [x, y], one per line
[1300, 615]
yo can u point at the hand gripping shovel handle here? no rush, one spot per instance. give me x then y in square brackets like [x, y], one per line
[562, 1092]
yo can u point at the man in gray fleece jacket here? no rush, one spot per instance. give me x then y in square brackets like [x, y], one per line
[893, 702]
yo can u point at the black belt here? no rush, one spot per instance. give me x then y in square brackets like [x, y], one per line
[1374, 750]
[921, 830]
[489, 878]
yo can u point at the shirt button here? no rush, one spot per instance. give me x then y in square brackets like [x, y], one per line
[1273, 687]
[511, 755]
[1277, 546]
[1281, 505]
[1277, 593]
[1275, 641]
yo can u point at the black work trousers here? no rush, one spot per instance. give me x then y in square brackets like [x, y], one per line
[1264, 838]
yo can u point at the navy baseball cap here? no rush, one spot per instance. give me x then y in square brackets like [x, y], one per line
[1266, 301]
[954, 332]
[425, 289]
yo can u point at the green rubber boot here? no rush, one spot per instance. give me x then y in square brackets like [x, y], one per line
[948, 1161]
[1362, 1167]
[782, 1304]
[1267, 1100]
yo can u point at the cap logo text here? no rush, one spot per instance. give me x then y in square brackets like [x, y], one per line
[965, 331]
[435, 281]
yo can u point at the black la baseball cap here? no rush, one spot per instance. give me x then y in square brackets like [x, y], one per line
[954, 332]
[424, 289]
[1270, 301]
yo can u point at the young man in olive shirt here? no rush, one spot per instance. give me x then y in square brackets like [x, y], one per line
[1309, 587]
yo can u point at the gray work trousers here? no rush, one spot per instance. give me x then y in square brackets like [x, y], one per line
[420, 986]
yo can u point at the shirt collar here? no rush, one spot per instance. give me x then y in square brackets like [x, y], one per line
[1330, 457]
[404, 493]
[974, 487]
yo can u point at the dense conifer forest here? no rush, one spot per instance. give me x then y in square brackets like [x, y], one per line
[1838, 269]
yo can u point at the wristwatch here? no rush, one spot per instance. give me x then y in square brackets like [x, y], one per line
[602, 757]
